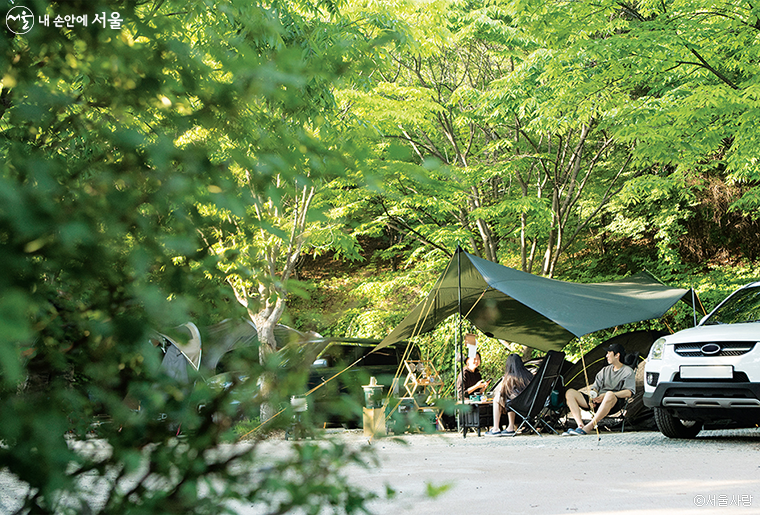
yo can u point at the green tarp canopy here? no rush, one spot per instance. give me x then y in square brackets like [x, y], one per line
[531, 310]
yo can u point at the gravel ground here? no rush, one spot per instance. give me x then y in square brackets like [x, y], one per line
[636, 472]
[631, 473]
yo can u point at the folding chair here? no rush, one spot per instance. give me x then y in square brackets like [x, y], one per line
[633, 360]
[529, 404]
[617, 417]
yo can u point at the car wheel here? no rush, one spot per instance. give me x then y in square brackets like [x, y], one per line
[674, 427]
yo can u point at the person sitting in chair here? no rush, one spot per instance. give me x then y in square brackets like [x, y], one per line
[516, 378]
[470, 381]
[613, 384]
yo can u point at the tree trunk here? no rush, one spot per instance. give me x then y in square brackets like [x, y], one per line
[548, 255]
[265, 321]
[280, 257]
[532, 258]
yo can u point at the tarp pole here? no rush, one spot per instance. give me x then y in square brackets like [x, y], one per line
[590, 404]
[459, 345]
[693, 306]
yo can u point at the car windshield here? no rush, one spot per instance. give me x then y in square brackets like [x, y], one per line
[742, 307]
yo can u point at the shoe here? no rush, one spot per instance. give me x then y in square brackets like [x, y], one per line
[494, 433]
[507, 433]
[579, 432]
[569, 432]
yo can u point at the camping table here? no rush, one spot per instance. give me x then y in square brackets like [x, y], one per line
[474, 415]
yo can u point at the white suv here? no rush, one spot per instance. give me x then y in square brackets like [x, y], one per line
[709, 374]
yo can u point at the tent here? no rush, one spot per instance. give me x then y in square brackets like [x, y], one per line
[635, 342]
[184, 351]
[531, 310]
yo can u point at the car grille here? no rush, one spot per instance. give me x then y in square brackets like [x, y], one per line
[694, 350]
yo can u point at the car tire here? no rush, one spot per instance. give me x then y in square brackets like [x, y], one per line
[674, 427]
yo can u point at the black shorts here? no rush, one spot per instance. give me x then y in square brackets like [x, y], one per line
[617, 407]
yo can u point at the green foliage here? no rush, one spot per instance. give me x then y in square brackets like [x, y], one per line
[653, 207]
[117, 144]
[505, 92]
[521, 172]
[681, 76]
[434, 491]
[248, 428]
[358, 306]
[543, 115]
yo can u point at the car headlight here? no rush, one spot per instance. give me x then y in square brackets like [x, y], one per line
[657, 349]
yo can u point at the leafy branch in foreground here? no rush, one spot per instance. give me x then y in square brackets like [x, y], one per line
[113, 141]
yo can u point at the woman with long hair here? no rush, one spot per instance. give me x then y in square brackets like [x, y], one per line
[516, 378]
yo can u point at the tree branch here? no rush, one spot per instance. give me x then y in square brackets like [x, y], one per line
[605, 199]
[706, 65]
[405, 228]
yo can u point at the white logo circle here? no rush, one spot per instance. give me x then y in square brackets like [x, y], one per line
[19, 19]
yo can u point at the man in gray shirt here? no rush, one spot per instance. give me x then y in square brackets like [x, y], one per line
[613, 384]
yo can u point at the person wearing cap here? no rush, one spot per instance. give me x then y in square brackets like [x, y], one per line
[613, 384]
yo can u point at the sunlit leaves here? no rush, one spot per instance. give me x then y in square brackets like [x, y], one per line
[688, 68]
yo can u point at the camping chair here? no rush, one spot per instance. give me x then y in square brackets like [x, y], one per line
[529, 404]
[619, 417]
